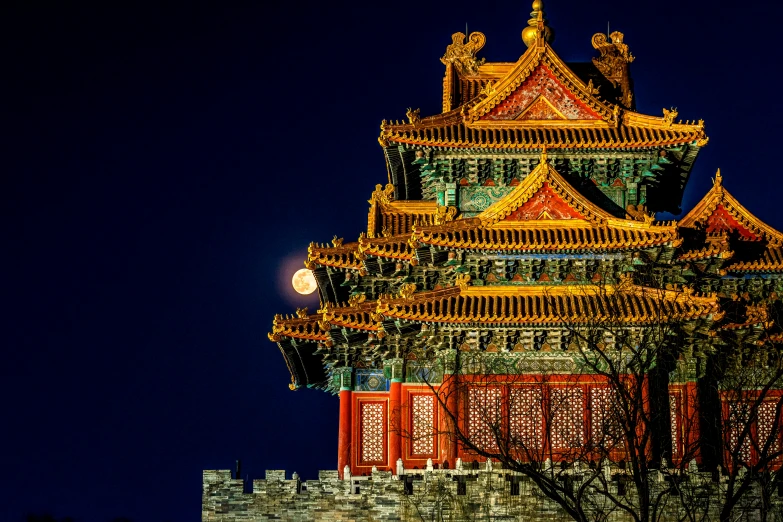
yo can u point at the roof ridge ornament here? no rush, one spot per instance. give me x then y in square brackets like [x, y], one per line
[614, 63]
[536, 27]
[462, 54]
[718, 181]
[669, 115]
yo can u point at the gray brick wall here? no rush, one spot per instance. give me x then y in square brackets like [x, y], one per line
[432, 496]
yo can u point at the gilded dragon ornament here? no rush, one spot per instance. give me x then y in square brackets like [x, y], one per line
[462, 55]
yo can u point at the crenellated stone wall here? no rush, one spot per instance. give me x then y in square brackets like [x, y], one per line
[447, 495]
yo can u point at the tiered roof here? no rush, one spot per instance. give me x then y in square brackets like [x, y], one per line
[541, 104]
[546, 213]
[507, 306]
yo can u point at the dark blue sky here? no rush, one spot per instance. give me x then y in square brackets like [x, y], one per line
[164, 169]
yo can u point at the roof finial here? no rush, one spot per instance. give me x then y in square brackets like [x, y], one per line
[536, 26]
[718, 179]
[543, 155]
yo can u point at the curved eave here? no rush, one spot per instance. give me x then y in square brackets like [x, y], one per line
[342, 256]
[705, 253]
[536, 238]
[355, 321]
[304, 328]
[357, 316]
[398, 217]
[741, 326]
[394, 247]
[759, 268]
[305, 366]
[770, 263]
[550, 305]
[459, 136]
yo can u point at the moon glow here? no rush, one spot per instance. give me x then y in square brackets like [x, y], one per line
[304, 281]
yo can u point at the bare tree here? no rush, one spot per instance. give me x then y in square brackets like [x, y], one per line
[748, 381]
[596, 428]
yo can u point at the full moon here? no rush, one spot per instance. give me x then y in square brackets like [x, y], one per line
[304, 281]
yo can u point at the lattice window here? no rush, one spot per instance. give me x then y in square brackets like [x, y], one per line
[568, 429]
[423, 409]
[372, 423]
[526, 417]
[484, 416]
[674, 418]
[767, 427]
[738, 415]
[605, 428]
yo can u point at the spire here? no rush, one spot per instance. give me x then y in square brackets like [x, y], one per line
[718, 181]
[537, 26]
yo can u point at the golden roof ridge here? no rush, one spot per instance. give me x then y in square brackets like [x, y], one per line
[546, 238]
[550, 304]
[336, 256]
[390, 247]
[527, 138]
[306, 328]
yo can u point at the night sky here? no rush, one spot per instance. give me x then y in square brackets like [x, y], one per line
[164, 170]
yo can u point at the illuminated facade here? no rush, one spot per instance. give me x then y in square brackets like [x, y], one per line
[521, 212]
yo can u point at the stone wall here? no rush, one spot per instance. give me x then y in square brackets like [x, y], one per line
[442, 495]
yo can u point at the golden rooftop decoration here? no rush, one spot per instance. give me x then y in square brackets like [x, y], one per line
[462, 55]
[536, 26]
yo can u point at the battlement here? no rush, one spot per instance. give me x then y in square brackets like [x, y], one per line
[459, 494]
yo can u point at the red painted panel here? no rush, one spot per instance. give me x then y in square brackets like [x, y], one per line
[721, 221]
[527, 101]
[422, 420]
[395, 423]
[344, 434]
[531, 408]
[370, 437]
[544, 204]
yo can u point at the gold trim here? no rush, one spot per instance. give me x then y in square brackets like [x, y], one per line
[307, 328]
[564, 123]
[527, 63]
[342, 256]
[718, 195]
[578, 304]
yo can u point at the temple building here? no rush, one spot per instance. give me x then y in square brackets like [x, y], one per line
[515, 235]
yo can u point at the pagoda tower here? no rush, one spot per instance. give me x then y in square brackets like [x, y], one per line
[512, 223]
